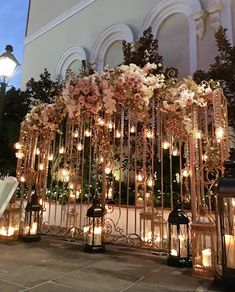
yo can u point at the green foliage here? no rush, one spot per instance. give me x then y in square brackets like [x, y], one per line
[223, 70]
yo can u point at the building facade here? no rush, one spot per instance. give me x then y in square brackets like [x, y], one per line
[60, 34]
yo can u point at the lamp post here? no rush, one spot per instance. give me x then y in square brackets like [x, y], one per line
[8, 65]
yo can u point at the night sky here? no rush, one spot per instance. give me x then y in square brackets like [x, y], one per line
[13, 17]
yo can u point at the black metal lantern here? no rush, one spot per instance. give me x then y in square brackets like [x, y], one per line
[225, 267]
[93, 229]
[178, 245]
[32, 219]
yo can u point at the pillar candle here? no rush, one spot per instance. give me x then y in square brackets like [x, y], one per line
[230, 250]
[206, 258]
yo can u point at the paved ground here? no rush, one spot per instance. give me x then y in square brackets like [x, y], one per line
[52, 265]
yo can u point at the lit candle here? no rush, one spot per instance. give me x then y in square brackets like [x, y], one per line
[89, 239]
[230, 250]
[110, 193]
[33, 228]
[174, 252]
[97, 235]
[206, 258]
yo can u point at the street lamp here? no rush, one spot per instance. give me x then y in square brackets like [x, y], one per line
[8, 65]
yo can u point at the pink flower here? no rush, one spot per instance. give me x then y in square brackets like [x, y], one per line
[82, 99]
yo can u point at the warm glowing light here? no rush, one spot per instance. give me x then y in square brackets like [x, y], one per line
[110, 193]
[79, 147]
[71, 186]
[75, 134]
[133, 129]
[40, 166]
[110, 125]
[165, 145]
[108, 169]
[204, 157]
[85, 229]
[150, 181]
[22, 178]
[101, 159]
[118, 134]
[198, 135]
[17, 145]
[149, 134]
[51, 156]
[7, 231]
[233, 203]
[219, 133]
[62, 150]
[175, 152]
[33, 228]
[185, 172]
[87, 133]
[100, 121]
[19, 155]
[173, 252]
[37, 151]
[40, 201]
[64, 172]
[140, 176]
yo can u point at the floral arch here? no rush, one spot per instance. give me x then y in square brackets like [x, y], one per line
[138, 139]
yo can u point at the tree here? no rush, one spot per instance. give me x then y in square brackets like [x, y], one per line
[223, 70]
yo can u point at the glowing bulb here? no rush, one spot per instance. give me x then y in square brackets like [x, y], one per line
[62, 150]
[204, 157]
[110, 193]
[41, 166]
[37, 151]
[17, 145]
[132, 129]
[22, 178]
[175, 152]
[118, 134]
[50, 158]
[219, 133]
[198, 134]
[101, 159]
[19, 155]
[75, 134]
[79, 147]
[87, 133]
[108, 169]
[185, 172]
[149, 134]
[110, 125]
[140, 177]
[71, 186]
[165, 145]
[40, 201]
[150, 181]
[100, 121]
[64, 172]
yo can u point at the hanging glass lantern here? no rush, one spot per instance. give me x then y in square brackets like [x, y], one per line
[93, 229]
[225, 266]
[178, 244]
[203, 244]
[32, 219]
[9, 223]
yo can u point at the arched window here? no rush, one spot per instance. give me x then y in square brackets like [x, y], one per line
[161, 14]
[71, 59]
[107, 44]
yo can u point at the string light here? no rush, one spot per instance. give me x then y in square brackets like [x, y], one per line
[51, 156]
[87, 133]
[165, 145]
[185, 172]
[150, 181]
[118, 134]
[139, 177]
[149, 134]
[41, 166]
[79, 147]
[62, 150]
[37, 151]
[19, 154]
[132, 129]
[175, 152]
[219, 133]
[17, 145]
[75, 134]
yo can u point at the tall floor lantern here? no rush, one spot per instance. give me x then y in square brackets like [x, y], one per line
[225, 267]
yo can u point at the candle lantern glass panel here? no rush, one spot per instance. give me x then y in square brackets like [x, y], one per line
[203, 244]
[225, 266]
[93, 229]
[9, 223]
[32, 220]
[178, 244]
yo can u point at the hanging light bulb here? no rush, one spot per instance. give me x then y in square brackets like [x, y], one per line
[19, 154]
[139, 177]
[132, 129]
[100, 121]
[165, 145]
[22, 178]
[101, 160]
[80, 147]
[40, 166]
[87, 133]
[75, 134]
[17, 145]
[62, 150]
[185, 172]
[110, 125]
[149, 134]
[64, 172]
[118, 134]
[198, 134]
[108, 169]
[51, 156]
[219, 133]
[150, 181]
[204, 157]
[37, 151]
[175, 152]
